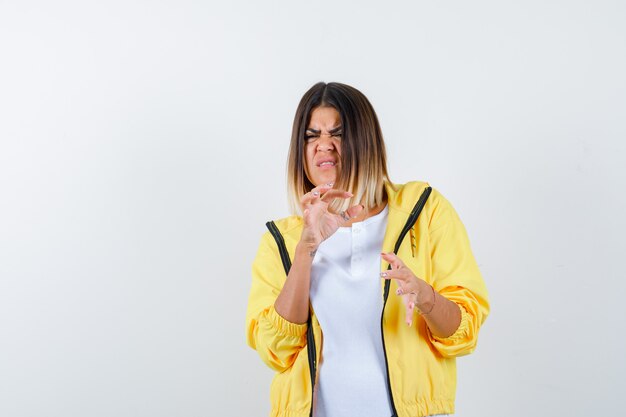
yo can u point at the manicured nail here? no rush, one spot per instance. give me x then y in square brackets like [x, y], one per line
[330, 184]
[316, 193]
[383, 274]
[399, 291]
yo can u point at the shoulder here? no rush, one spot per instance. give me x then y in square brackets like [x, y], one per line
[289, 227]
[404, 196]
[268, 256]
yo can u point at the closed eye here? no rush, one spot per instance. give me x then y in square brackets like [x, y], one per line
[334, 135]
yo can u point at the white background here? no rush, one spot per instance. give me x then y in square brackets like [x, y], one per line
[143, 146]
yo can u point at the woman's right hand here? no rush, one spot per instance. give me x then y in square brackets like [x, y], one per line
[319, 223]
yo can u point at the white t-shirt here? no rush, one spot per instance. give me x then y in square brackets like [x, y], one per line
[347, 299]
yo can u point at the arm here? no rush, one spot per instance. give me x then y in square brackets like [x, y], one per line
[278, 308]
[442, 316]
[457, 278]
[276, 340]
[293, 301]
[319, 224]
[456, 305]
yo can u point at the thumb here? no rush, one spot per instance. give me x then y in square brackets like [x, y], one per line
[355, 210]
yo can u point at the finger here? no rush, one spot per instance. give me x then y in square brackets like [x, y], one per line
[315, 193]
[355, 210]
[350, 214]
[310, 197]
[403, 289]
[307, 217]
[385, 274]
[393, 260]
[398, 274]
[331, 194]
[410, 309]
[323, 188]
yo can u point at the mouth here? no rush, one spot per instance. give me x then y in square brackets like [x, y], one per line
[326, 163]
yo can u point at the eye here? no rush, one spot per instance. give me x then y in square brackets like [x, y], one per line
[309, 138]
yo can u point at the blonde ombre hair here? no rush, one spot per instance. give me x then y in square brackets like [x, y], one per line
[363, 169]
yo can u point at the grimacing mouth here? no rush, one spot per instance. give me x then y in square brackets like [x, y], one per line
[326, 161]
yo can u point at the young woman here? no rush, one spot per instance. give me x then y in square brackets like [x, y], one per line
[362, 300]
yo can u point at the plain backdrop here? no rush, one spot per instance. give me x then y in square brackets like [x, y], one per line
[143, 146]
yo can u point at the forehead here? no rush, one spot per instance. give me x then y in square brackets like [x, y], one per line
[324, 118]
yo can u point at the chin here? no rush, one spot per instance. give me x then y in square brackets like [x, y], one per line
[324, 178]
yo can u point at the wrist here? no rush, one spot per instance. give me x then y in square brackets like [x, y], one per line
[427, 298]
[305, 251]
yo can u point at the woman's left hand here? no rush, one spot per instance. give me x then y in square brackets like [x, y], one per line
[415, 292]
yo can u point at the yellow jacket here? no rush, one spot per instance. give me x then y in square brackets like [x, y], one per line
[421, 367]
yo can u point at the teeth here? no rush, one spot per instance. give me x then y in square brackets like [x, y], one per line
[327, 163]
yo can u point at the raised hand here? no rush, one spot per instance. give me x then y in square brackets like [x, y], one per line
[415, 292]
[319, 223]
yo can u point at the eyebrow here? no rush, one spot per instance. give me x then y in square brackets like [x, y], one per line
[333, 130]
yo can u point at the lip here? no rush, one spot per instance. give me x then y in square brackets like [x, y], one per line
[322, 160]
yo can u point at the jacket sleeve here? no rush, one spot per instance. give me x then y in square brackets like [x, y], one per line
[456, 276]
[276, 340]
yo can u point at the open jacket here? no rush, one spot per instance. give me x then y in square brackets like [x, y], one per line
[421, 367]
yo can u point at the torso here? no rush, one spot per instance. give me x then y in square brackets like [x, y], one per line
[346, 297]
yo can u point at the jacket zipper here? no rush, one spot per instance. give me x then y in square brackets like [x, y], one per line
[382, 333]
[409, 224]
[310, 337]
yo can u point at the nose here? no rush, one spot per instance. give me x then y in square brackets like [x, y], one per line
[325, 143]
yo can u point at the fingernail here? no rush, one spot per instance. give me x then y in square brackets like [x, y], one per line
[398, 291]
[330, 184]
[383, 274]
[316, 193]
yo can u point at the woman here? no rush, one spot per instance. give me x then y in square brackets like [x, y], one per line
[362, 303]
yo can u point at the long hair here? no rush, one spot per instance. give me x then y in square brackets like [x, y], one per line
[363, 169]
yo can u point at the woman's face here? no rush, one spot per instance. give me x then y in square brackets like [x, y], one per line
[322, 152]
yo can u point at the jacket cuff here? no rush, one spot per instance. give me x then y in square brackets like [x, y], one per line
[285, 327]
[460, 332]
